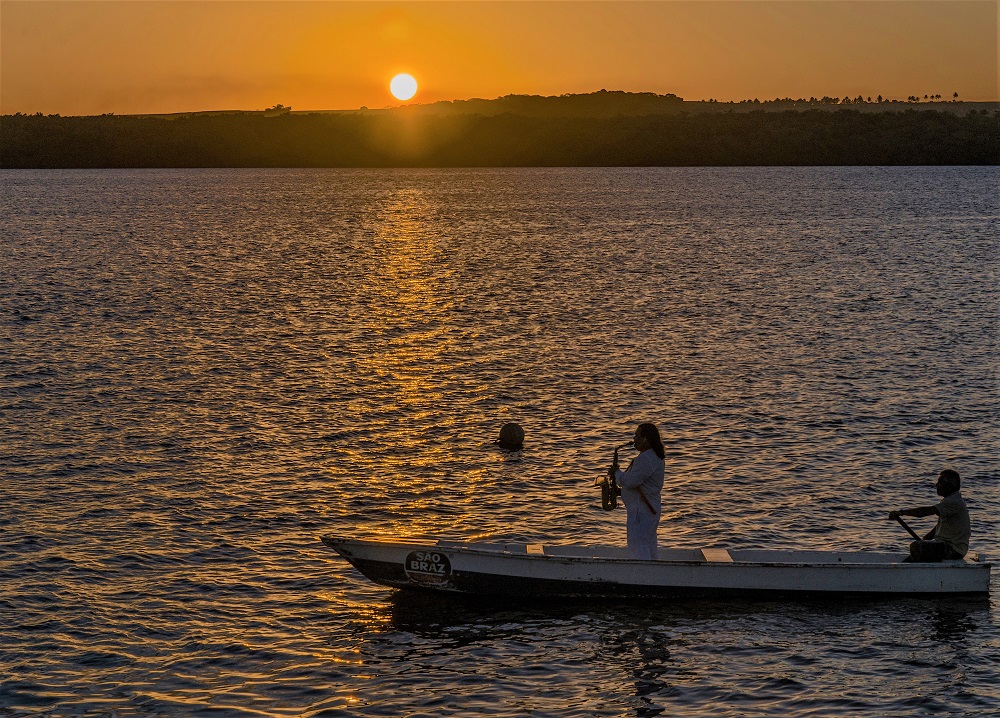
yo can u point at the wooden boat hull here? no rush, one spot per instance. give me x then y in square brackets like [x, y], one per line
[595, 571]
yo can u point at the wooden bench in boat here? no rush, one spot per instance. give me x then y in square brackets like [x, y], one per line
[716, 555]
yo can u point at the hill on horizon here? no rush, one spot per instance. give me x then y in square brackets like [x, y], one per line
[618, 103]
[845, 136]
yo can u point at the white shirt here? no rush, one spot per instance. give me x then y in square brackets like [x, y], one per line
[953, 525]
[645, 474]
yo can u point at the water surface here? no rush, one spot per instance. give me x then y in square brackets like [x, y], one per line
[203, 371]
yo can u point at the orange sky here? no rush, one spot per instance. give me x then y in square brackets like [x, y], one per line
[136, 56]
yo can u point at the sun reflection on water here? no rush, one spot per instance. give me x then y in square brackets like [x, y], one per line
[315, 353]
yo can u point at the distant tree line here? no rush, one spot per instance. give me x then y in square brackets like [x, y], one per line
[401, 139]
[826, 100]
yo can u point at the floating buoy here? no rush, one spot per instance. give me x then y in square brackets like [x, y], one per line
[511, 436]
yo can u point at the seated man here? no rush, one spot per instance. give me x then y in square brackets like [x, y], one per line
[950, 538]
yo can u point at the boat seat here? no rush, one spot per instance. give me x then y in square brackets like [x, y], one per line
[716, 555]
[535, 549]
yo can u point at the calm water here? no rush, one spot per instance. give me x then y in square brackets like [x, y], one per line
[203, 371]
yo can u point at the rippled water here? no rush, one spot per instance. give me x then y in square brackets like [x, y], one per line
[203, 371]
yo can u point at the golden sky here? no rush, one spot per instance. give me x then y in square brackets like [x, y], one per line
[139, 56]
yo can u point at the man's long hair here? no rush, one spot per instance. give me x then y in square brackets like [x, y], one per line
[651, 434]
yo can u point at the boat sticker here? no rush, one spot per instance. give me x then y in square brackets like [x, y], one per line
[429, 568]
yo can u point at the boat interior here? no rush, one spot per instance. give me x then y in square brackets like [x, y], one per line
[696, 555]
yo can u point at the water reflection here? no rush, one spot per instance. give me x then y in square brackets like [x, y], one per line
[648, 660]
[264, 356]
[953, 620]
[644, 655]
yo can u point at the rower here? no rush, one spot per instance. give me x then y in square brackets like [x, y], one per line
[949, 539]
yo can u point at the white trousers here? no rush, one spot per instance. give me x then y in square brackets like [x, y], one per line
[640, 527]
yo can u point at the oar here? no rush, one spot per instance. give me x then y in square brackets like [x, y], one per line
[908, 529]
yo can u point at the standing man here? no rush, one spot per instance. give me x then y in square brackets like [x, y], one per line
[948, 540]
[642, 484]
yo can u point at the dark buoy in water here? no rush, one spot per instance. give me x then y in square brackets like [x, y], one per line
[511, 437]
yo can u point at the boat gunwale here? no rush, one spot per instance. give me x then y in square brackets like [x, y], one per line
[960, 564]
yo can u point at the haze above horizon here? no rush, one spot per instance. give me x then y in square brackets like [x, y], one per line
[88, 57]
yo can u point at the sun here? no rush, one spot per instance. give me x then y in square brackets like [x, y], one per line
[403, 86]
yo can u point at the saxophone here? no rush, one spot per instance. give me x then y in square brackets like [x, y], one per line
[610, 491]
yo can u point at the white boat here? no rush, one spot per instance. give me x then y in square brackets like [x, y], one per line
[517, 569]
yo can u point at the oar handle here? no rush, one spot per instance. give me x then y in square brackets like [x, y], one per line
[908, 529]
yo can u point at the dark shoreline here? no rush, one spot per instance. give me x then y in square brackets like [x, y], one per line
[408, 137]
